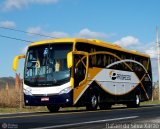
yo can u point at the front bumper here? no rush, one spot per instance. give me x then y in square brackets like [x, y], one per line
[59, 100]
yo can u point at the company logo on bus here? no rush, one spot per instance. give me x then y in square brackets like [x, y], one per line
[113, 75]
[117, 76]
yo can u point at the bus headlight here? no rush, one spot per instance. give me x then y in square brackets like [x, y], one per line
[66, 90]
[27, 92]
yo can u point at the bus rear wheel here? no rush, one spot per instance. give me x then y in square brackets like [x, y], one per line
[93, 103]
[135, 103]
[53, 108]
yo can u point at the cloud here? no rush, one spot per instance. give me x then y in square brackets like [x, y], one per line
[59, 34]
[8, 24]
[40, 31]
[152, 52]
[34, 30]
[127, 41]
[86, 33]
[18, 4]
[147, 48]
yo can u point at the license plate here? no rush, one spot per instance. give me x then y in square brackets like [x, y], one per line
[45, 99]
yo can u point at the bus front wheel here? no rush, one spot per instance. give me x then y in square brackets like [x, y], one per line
[53, 108]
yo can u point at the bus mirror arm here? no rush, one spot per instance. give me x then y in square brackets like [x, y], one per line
[15, 62]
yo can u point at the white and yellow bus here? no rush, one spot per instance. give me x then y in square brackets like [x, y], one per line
[84, 72]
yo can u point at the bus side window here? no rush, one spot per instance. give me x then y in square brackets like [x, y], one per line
[100, 60]
[104, 60]
[145, 63]
[109, 60]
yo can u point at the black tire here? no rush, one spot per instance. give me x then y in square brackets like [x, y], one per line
[135, 103]
[93, 103]
[104, 106]
[53, 108]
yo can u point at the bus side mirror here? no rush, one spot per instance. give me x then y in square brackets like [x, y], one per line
[70, 59]
[15, 62]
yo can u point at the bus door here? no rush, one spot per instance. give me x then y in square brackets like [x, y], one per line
[80, 74]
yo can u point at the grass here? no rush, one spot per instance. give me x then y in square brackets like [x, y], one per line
[36, 109]
[26, 109]
[9, 98]
[150, 102]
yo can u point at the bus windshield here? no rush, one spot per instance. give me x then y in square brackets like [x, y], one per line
[46, 65]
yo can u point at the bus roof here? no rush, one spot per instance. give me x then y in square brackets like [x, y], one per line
[90, 41]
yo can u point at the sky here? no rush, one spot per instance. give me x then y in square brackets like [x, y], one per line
[128, 23]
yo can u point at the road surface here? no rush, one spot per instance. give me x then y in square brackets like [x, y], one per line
[143, 117]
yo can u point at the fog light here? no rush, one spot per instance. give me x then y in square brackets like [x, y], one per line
[26, 101]
[67, 100]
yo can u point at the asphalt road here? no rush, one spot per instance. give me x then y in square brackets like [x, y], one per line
[143, 117]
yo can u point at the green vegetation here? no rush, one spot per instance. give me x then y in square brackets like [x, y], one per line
[150, 102]
[26, 109]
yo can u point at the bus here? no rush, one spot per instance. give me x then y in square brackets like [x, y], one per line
[75, 72]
